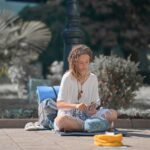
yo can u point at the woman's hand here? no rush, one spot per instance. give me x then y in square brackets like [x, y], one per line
[81, 107]
[92, 106]
[91, 109]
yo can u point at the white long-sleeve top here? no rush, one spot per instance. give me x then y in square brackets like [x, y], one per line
[69, 88]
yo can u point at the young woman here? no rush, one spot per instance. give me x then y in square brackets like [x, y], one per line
[78, 94]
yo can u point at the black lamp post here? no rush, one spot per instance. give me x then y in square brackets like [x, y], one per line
[72, 32]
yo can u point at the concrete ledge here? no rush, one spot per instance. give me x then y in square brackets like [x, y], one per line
[121, 123]
[140, 123]
[133, 123]
[15, 123]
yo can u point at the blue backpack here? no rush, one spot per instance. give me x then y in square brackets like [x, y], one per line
[47, 109]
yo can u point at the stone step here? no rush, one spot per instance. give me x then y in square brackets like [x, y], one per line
[121, 123]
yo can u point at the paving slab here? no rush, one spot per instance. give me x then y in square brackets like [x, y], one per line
[19, 139]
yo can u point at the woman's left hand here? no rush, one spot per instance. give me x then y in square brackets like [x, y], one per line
[91, 109]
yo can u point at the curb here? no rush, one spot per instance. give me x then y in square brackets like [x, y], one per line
[133, 123]
[121, 123]
[15, 123]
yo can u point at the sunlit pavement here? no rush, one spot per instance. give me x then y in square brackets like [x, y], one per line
[19, 139]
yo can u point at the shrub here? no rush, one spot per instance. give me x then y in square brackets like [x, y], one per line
[118, 80]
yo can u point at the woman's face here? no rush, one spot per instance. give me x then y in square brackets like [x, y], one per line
[83, 64]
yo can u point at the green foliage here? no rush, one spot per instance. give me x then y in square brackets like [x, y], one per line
[20, 45]
[20, 113]
[55, 20]
[107, 24]
[134, 113]
[118, 80]
[110, 23]
[21, 39]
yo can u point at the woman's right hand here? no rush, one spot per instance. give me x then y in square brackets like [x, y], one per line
[81, 107]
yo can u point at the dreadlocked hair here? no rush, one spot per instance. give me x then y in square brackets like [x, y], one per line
[74, 55]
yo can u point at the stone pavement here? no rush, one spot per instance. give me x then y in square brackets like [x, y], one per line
[18, 139]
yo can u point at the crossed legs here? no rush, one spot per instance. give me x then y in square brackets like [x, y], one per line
[68, 123]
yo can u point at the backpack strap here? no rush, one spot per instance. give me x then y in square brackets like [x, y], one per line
[54, 91]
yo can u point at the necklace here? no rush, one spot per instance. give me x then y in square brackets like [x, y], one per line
[80, 84]
[80, 91]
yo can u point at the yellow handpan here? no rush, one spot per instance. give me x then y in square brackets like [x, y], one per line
[108, 140]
